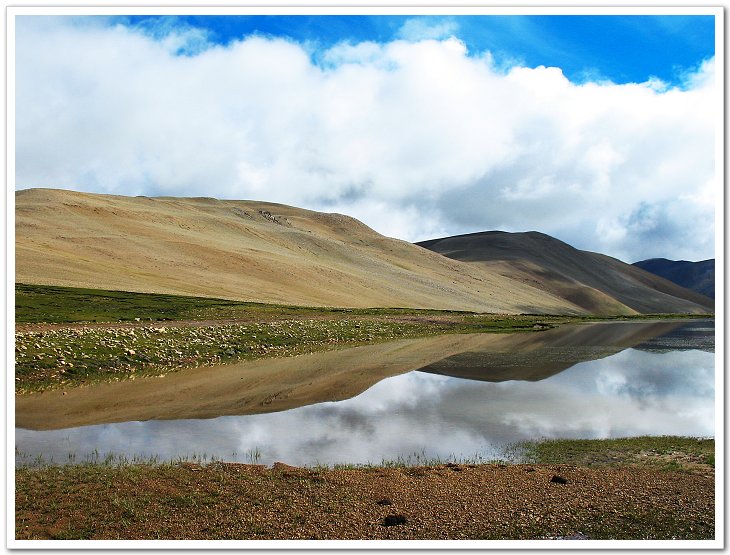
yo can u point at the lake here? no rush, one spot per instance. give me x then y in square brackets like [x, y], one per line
[447, 397]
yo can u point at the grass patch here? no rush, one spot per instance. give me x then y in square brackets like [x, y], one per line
[666, 452]
[65, 305]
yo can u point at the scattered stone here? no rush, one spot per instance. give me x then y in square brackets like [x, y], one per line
[530, 469]
[385, 501]
[283, 466]
[394, 520]
[558, 480]
[575, 536]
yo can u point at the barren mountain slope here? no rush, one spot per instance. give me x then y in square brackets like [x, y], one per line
[247, 250]
[597, 283]
[697, 276]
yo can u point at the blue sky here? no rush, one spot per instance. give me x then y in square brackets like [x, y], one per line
[618, 48]
[598, 130]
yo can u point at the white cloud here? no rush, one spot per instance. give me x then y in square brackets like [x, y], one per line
[415, 138]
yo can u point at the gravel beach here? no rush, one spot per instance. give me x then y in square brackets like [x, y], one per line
[447, 501]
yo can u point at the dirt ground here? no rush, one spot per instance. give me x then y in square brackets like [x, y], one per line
[448, 501]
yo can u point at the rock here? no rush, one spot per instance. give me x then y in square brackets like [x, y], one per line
[283, 466]
[394, 520]
[558, 480]
[385, 501]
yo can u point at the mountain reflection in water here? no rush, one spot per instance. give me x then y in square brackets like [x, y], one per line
[600, 394]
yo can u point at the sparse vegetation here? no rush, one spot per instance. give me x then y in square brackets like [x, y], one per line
[64, 305]
[111, 499]
[668, 452]
[68, 305]
[205, 332]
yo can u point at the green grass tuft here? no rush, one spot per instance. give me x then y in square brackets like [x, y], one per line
[668, 452]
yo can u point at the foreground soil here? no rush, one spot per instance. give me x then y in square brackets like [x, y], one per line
[447, 501]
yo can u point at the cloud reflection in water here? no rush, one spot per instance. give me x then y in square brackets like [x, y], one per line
[634, 392]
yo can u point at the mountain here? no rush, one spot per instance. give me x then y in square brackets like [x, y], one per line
[246, 250]
[265, 252]
[594, 282]
[697, 276]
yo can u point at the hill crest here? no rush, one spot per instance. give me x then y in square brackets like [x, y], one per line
[595, 282]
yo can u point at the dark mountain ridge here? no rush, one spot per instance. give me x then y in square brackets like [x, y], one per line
[697, 276]
[594, 282]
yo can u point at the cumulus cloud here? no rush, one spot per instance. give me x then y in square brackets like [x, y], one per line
[417, 137]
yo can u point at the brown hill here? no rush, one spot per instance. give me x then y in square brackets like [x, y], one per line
[594, 282]
[249, 251]
[274, 253]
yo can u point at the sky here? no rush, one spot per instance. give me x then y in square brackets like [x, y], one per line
[598, 130]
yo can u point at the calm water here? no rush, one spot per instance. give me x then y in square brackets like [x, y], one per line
[596, 381]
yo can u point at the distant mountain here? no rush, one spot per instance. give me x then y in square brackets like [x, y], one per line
[697, 276]
[594, 282]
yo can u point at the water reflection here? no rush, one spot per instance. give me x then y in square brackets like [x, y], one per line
[633, 392]
[272, 385]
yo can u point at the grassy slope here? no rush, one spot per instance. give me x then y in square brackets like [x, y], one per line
[54, 304]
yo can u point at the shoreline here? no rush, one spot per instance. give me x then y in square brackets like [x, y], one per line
[64, 352]
[536, 501]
